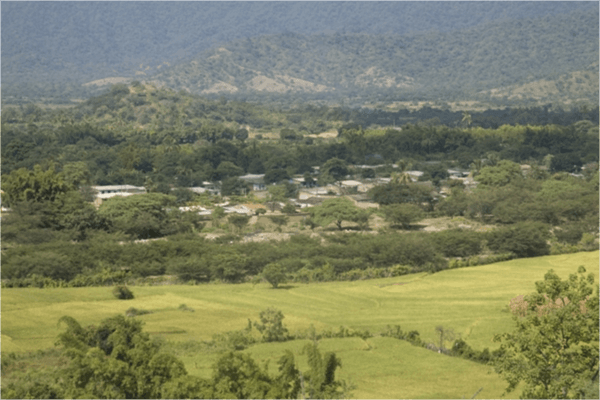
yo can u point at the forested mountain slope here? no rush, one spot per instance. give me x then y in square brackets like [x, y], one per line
[443, 66]
[50, 49]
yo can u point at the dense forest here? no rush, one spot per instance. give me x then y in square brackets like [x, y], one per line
[134, 134]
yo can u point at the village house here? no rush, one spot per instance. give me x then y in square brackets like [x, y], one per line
[256, 180]
[106, 192]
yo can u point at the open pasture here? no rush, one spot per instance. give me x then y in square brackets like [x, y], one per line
[380, 368]
[472, 301]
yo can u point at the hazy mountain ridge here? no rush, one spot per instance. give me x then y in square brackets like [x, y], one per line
[574, 86]
[377, 48]
[457, 65]
[99, 37]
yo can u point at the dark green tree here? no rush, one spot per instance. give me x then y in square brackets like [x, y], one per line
[335, 168]
[524, 239]
[233, 186]
[289, 209]
[142, 216]
[402, 193]
[279, 220]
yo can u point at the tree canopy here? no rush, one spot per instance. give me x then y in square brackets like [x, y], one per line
[337, 211]
[553, 348]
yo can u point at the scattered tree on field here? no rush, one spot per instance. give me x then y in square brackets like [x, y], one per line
[260, 211]
[217, 214]
[446, 335]
[274, 273]
[289, 209]
[122, 293]
[271, 326]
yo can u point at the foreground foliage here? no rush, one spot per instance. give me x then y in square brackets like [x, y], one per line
[118, 360]
[554, 347]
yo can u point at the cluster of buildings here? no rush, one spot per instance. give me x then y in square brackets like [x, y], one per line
[308, 194]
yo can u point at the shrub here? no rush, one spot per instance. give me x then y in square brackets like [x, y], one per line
[134, 312]
[524, 239]
[570, 234]
[122, 293]
[184, 307]
[288, 209]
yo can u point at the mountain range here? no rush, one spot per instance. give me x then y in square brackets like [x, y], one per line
[367, 51]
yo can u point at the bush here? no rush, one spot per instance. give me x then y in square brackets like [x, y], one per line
[134, 312]
[458, 243]
[288, 209]
[122, 293]
[570, 234]
[524, 239]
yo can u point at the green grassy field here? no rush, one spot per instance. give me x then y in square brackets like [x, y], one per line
[380, 367]
[472, 301]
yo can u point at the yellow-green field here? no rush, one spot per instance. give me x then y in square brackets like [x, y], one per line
[472, 301]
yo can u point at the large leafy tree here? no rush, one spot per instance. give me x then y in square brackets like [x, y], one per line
[336, 210]
[335, 168]
[553, 350]
[402, 193]
[500, 174]
[142, 216]
[274, 273]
